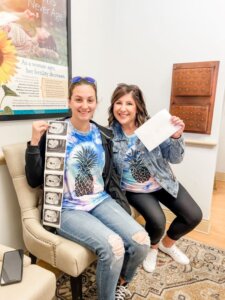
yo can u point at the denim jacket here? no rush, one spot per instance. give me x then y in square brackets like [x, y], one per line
[156, 161]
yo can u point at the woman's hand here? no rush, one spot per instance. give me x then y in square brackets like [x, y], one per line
[38, 129]
[178, 122]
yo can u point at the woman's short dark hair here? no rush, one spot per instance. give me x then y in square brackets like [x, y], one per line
[124, 89]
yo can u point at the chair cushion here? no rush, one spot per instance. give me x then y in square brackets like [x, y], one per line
[37, 283]
[73, 258]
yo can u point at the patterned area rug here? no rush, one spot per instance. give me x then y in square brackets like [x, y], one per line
[203, 279]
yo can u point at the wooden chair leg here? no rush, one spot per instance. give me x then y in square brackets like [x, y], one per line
[76, 287]
[33, 258]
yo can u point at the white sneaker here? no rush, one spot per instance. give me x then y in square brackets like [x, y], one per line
[122, 292]
[175, 253]
[149, 263]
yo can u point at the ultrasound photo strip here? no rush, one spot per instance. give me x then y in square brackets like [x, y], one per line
[54, 172]
[53, 180]
[51, 217]
[53, 198]
[57, 128]
[54, 163]
[55, 145]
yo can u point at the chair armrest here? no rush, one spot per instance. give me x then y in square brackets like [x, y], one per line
[40, 242]
[61, 253]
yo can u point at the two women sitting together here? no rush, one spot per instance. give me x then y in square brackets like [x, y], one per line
[105, 167]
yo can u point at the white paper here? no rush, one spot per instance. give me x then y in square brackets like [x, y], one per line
[156, 130]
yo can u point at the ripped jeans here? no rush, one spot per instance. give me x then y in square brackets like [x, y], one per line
[119, 242]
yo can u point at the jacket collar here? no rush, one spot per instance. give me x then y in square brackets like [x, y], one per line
[107, 132]
[118, 132]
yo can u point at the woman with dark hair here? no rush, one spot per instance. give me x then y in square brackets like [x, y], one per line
[90, 213]
[147, 177]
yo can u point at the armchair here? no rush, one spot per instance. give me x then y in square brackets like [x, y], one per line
[59, 252]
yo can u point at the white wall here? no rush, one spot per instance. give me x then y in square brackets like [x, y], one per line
[220, 167]
[138, 42]
[146, 39]
[93, 46]
[10, 225]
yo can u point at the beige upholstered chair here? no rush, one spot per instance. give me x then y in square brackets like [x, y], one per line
[61, 253]
[37, 283]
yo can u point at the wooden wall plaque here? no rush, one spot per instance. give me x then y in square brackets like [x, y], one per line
[193, 94]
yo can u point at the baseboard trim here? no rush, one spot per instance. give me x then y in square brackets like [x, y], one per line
[203, 226]
[220, 176]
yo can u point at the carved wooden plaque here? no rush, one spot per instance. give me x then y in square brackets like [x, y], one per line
[193, 94]
[195, 117]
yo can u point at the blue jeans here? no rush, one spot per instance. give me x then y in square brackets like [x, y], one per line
[112, 235]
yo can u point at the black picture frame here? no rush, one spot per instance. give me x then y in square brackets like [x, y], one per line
[61, 63]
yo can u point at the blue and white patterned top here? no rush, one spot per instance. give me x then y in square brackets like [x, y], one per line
[156, 161]
[135, 177]
[84, 163]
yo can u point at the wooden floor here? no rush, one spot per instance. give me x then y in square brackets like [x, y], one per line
[216, 236]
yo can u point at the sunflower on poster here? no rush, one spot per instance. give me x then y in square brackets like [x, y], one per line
[8, 61]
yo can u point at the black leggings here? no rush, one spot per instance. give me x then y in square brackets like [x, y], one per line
[188, 213]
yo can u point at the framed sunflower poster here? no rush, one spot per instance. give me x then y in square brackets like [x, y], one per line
[35, 58]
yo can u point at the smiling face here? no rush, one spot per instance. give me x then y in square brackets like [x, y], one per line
[124, 110]
[83, 103]
[135, 102]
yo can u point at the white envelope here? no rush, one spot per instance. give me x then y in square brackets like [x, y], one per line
[156, 130]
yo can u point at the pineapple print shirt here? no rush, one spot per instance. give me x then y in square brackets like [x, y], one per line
[84, 163]
[136, 177]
